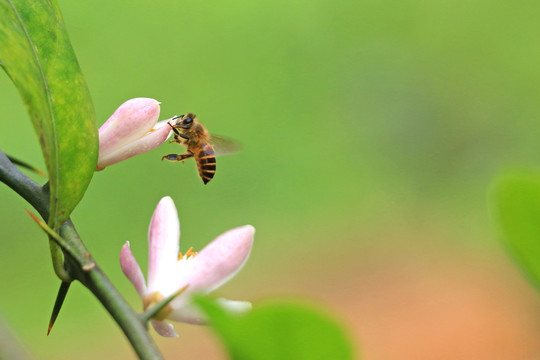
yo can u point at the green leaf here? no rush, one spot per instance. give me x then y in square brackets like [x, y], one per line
[36, 53]
[279, 330]
[516, 206]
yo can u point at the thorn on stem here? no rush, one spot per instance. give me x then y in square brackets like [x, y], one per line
[60, 297]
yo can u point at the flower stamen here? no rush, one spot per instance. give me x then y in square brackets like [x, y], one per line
[189, 253]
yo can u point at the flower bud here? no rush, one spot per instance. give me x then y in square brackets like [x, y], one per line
[132, 130]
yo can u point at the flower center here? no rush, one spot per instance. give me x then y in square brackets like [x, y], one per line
[156, 298]
[189, 254]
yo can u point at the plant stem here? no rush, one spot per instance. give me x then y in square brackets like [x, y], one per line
[28, 189]
[94, 279]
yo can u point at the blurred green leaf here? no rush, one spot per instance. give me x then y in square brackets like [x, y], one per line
[517, 209]
[36, 53]
[280, 330]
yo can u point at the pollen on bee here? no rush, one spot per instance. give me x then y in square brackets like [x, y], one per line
[188, 253]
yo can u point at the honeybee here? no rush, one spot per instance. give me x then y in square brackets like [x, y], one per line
[192, 134]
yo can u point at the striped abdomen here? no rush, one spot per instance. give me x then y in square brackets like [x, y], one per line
[206, 162]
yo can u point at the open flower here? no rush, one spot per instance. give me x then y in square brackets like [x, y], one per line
[170, 271]
[132, 130]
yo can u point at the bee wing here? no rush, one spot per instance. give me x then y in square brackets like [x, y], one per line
[224, 146]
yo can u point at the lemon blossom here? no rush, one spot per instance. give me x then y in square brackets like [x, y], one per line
[169, 271]
[132, 130]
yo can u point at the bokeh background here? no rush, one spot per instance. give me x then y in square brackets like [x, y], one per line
[371, 131]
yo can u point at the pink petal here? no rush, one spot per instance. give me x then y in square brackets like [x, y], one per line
[163, 244]
[192, 315]
[163, 328]
[130, 121]
[163, 123]
[146, 143]
[234, 306]
[131, 269]
[218, 262]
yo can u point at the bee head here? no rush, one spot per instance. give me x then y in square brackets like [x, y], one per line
[186, 121]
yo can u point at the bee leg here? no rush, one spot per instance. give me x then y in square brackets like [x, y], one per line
[178, 134]
[185, 137]
[174, 140]
[173, 128]
[183, 141]
[175, 157]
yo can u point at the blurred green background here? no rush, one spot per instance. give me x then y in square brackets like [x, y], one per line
[371, 133]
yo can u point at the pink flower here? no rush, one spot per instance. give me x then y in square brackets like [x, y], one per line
[168, 272]
[132, 130]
